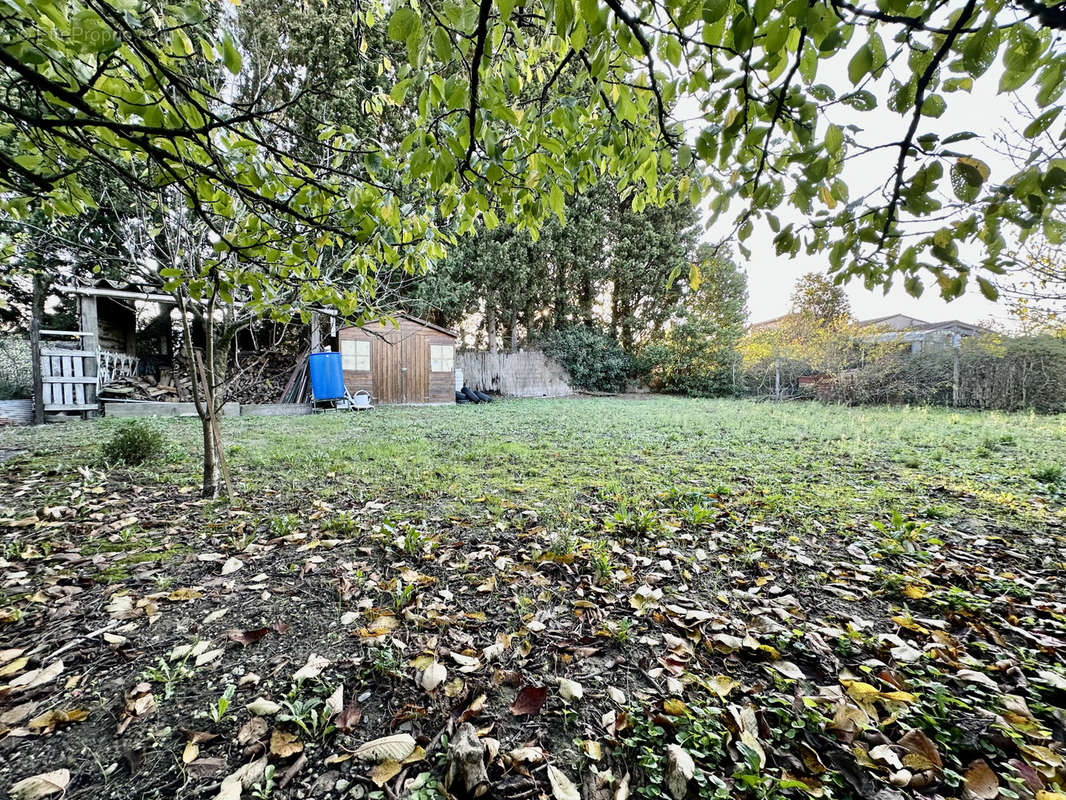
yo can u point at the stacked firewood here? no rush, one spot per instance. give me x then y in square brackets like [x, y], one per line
[256, 378]
[167, 388]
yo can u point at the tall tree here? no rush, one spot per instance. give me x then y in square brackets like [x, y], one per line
[607, 267]
[816, 296]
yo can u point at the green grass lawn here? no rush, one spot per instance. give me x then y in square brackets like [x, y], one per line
[804, 600]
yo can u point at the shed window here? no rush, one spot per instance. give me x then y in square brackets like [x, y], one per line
[355, 355]
[441, 357]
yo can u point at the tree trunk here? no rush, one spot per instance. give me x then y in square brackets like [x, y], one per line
[490, 325]
[559, 311]
[212, 479]
[514, 330]
[35, 348]
[586, 299]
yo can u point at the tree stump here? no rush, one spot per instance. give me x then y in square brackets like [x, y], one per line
[467, 777]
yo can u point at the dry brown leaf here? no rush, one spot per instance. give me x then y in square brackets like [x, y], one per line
[243, 778]
[396, 747]
[14, 667]
[384, 772]
[13, 716]
[245, 638]
[475, 708]
[335, 702]
[252, 731]
[789, 670]
[529, 700]
[40, 785]
[981, 781]
[917, 743]
[190, 753]
[284, 744]
[350, 716]
[47, 722]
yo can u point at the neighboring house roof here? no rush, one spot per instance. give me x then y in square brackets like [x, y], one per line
[894, 323]
[903, 323]
[768, 324]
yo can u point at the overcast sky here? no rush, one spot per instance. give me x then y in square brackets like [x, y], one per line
[770, 278]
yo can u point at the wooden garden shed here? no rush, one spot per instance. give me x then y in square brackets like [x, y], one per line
[410, 362]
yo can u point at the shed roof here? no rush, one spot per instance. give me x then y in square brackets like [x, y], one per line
[417, 321]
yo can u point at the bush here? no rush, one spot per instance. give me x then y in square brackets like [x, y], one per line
[1008, 374]
[135, 442]
[696, 358]
[595, 362]
[16, 371]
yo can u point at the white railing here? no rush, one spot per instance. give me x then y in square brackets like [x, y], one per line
[112, 366]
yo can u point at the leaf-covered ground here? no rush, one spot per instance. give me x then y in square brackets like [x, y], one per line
[656, 597]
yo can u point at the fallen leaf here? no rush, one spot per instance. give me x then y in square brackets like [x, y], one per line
[312, 669]
[246, 638]
[14, 667]
[36, 677]
[396, 747]
[918, 744]
[48, 721]
[190, 753]
[905, 653]
[40, 785]
[384, 772]
[232, 565]
[789, 670]
[972, 676]
[262, 707]
[252, 731]
[243, 778]
[335, 702]
[570, 690]
[284, 744]
[722, 685]
[679, 770]
[524, 755]
[184, 594]
[981, 781]
[433, 676]
[209, 656]
[562, 787]
[13, 716]
[529, 700]
[350, 716]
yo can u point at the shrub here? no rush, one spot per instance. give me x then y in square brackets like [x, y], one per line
[1048, 473]
[16, 372]
[595, 362]
[135, 442]
[696, 358]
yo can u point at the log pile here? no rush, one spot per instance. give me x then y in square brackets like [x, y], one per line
[258, 378]
[167, 388]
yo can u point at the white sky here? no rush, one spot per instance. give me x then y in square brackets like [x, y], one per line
[771, 278]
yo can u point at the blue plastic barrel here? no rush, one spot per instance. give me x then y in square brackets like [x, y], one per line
[327, 377]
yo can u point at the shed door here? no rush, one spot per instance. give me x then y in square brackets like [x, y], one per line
[385, 371]
[414, 369]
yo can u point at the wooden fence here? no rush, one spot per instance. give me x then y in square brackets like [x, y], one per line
[72, 374]
[524, 374]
